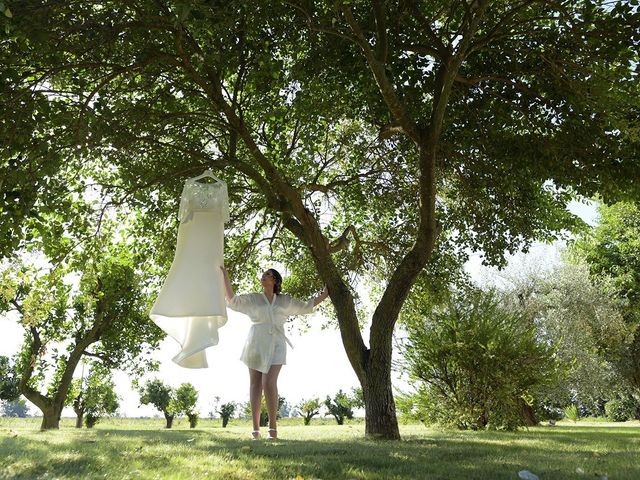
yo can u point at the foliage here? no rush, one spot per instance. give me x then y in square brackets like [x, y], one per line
[8, 380]
[161, 396]
[474, 363]
[92, 306]
[14, 408]
[340, 406]
[612, 252]
[571, 412]
[284, 408]
[622, 409]
[582, 319]
[264, 415]
[186, 398]
[226, 412]
[93, 396]
[309, 408]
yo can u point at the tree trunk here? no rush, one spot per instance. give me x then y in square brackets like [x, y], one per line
[79, 419]
[193, 420]
[51, 418]
[380, 417]
[169, 419]
[529, 416]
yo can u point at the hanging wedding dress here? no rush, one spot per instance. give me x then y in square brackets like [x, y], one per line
[191, 304]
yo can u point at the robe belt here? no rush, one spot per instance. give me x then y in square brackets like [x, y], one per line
[278, 330]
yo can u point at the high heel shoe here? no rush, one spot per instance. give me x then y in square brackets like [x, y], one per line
[273, 434]
[255, 435]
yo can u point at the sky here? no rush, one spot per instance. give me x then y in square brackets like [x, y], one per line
[317, 366]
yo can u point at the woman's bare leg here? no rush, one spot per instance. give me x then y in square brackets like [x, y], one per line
[270, 386]
[255, 397]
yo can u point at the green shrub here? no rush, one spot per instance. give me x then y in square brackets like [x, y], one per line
[621, 409]
[474, 363]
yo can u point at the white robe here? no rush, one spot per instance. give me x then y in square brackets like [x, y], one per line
[267, 327]
[191, 306]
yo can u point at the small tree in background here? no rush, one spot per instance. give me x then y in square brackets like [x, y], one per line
[9, 380]
[309, 408]
[12, 404]
[264, 417]
[15, 408]
[226, 411]
[186, 400]
[475, 362]
[93, 396]
[161, 396]
[284, 408]
[341, 406]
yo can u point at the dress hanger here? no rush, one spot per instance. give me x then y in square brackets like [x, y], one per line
[208, 173]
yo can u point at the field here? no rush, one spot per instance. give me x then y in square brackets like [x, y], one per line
[142, 449]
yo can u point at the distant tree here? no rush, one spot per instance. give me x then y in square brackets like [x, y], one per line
[581, 317]
[9, 380]
[14, 408]
[93, 396]
[264, 417]
[102, 315]
[226, 412]
[161, 396]
[340, 406]
[357, 397]
[214, 409]
[284, 408]
[186, 399]
[309, 408]
[612, 252]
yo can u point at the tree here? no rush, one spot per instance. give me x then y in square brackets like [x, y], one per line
[420, 128]
[284, 408]
[9, 381]
[582, 319]
[340, 406]
[264, 416]
[612, 252]
[309, 408]
[475, 363]
[15, 408]
[186, 398]
[104, 319]
[226, 411]
[93, 396]
[162, 397]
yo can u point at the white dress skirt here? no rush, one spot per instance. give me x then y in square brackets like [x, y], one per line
[266, 342]
[191, 304]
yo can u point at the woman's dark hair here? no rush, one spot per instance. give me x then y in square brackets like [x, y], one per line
[277, 288]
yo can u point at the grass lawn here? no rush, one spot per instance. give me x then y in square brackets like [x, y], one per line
[142, 449]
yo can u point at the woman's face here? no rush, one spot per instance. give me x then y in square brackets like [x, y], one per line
[267, 279]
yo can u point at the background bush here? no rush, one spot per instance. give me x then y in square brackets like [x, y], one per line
[474, 363]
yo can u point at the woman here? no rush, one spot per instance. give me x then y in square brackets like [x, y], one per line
[265, 350]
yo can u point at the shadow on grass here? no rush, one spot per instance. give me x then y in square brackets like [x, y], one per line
[559, 453]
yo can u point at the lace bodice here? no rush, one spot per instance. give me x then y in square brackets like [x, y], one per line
[204, 196]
